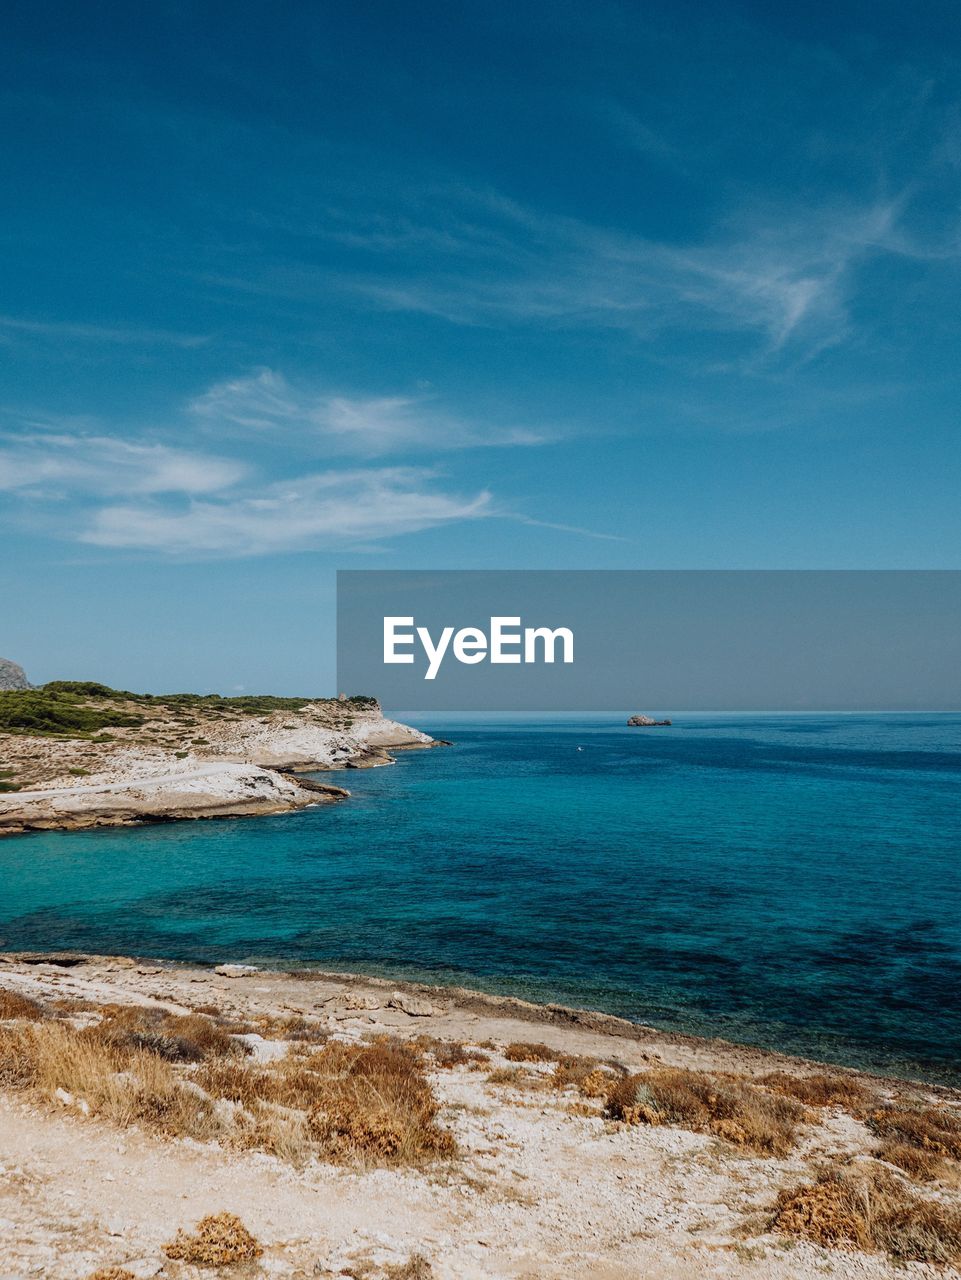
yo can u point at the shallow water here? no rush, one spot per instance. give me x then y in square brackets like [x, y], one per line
[793, 882]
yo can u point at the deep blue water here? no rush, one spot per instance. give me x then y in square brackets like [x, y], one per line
[787, 881]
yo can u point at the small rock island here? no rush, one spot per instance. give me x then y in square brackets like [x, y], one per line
[645, 722]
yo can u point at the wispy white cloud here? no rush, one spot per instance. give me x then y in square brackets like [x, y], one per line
[783, 278]
[126, 335]
[362, 425]
[577, 529]
[73, 481]
[60, 465]
[171, 500]
[635, 133]
[326, 510]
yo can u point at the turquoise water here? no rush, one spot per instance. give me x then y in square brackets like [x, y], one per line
[786, 881]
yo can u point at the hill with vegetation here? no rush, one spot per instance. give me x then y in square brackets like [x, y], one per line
[79, 708]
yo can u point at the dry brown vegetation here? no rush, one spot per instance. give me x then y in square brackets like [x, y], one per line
[67, 1007]
[586, 1075]
[219, 1240]
[820, 1090]
[517, 1078]
[372, 1102]
[415, 1268]
[866, 1207]
[290, 1027]
[123, 1084]
[189, 1037]
[917, 1163]
[727, 1107]
[376, 1100]
[451, 1053]
[919, 1140]
[524, 1051]
[14, 1005]
[932, 1129]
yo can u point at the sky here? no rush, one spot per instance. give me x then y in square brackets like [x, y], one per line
[296, 287]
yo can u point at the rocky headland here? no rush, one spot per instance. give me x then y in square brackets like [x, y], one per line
[76, 754]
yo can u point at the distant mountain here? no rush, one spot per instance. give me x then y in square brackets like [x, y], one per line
[12, 676]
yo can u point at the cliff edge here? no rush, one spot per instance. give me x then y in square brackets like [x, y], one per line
[79, 754]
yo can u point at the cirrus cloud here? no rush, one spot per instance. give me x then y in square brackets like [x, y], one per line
[362, 425]
[323, 510]
[60, 465]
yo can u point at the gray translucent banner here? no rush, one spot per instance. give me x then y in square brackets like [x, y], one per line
[652, 642]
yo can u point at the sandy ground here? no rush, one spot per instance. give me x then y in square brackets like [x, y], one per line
[537, 1191]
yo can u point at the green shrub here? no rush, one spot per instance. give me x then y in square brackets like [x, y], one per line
[40, 711]
[81, 707]
[85, 689]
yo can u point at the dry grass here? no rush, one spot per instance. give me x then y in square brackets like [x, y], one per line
[123, 1084]
[293, 1027]
[870, 1209]
[290, 1082]
[729, 1108]
[524, 1051]
[923, 1166]
[375, 1101]
[415, 1268]
[177, 1038]
[112, 1273]
[516, 1078]
[586, 1075]
[68, 1006]
[451, 1053]
[583, 1109]
[370, 1101]
[931, 1129]
[220, 1239]
[820, 1090]
[14, 1005]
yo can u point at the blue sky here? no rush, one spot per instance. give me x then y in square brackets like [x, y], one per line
[295, 287]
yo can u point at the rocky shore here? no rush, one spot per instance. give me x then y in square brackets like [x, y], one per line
[193, 760]
[495, 1143]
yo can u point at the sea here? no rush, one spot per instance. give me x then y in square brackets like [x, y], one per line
[786, 881]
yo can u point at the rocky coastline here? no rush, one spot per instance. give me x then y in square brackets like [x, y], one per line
[196, 1095]
[209, 760]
